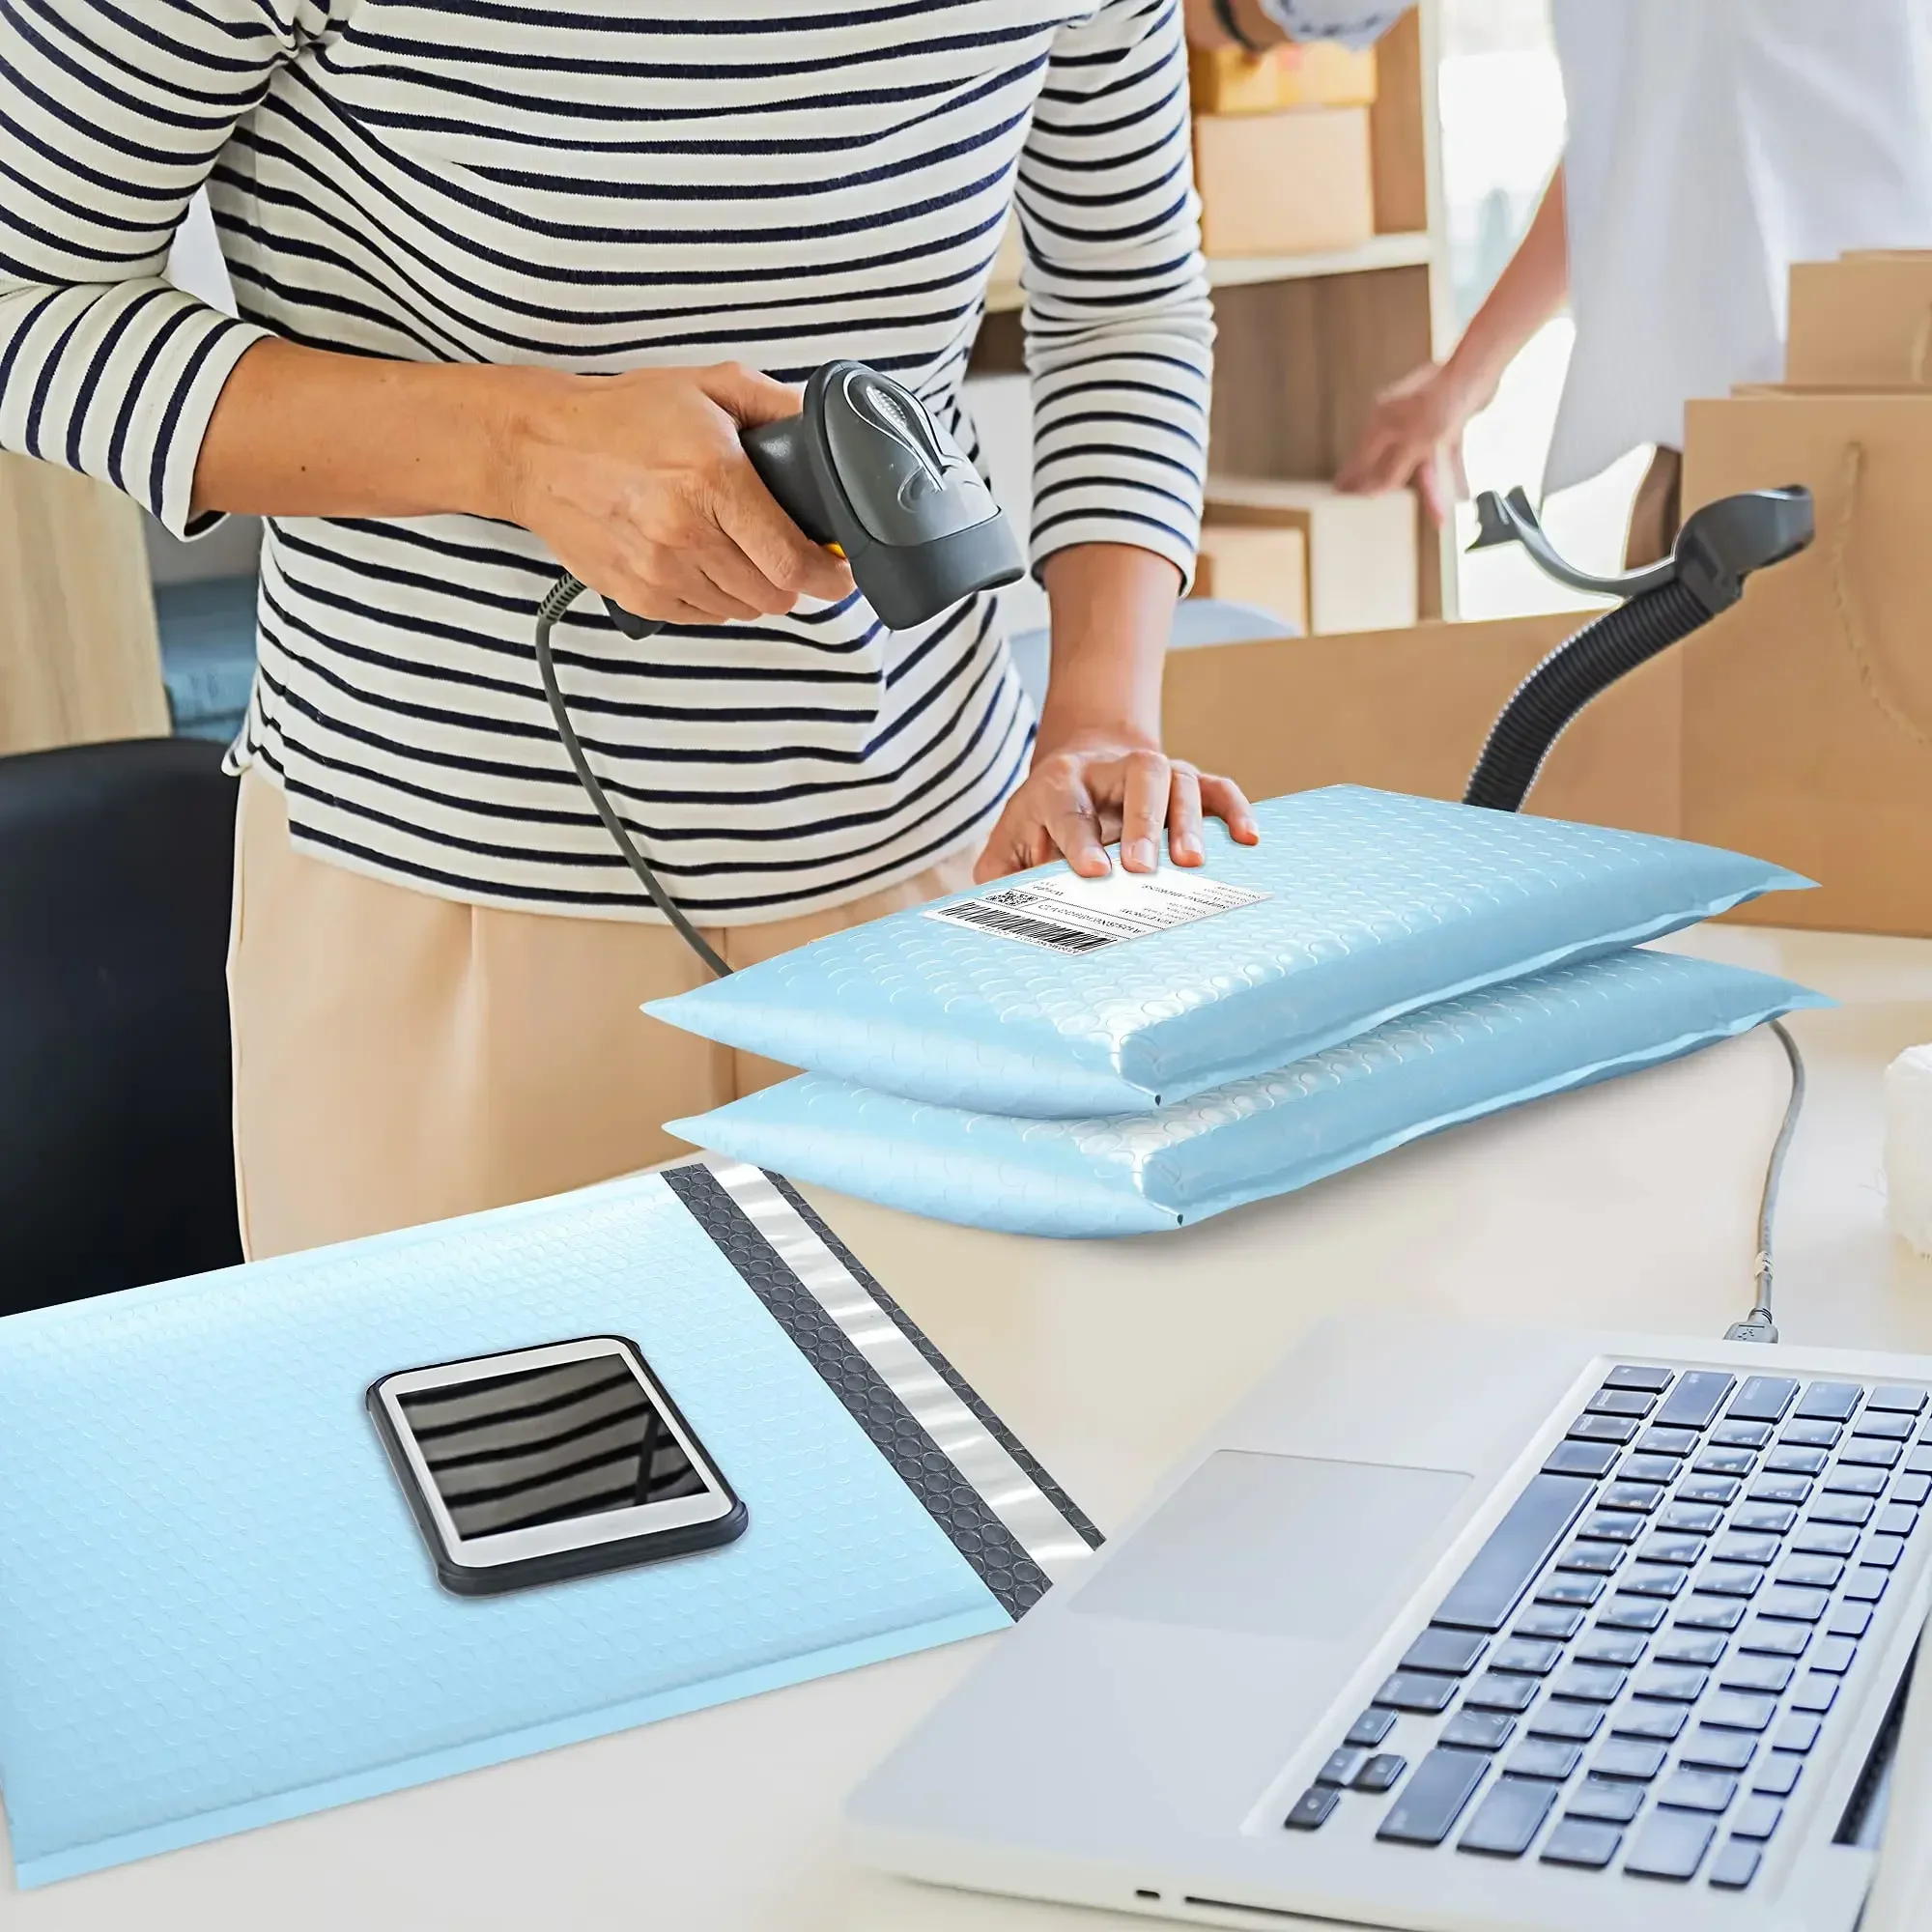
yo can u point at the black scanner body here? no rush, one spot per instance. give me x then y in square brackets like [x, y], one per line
[864, 468]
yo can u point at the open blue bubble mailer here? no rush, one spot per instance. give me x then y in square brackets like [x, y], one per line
[1058, 996]
[215, 1610]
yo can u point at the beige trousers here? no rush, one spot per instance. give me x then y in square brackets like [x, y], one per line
[400, 1058]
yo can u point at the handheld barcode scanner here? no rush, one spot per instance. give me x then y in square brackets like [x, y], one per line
[863, 468]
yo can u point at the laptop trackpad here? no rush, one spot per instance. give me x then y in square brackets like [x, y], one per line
[1281, 1546]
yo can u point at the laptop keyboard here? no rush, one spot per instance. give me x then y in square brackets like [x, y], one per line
[1635, 1670]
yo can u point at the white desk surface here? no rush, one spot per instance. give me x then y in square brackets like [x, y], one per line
[1629, 1206]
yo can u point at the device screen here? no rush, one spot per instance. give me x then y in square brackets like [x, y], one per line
[545, 1445]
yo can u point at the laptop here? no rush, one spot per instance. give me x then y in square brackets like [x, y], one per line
[1459, 1627]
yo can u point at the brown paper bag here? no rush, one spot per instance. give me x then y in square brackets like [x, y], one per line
[1807, 725]
[1865, 323]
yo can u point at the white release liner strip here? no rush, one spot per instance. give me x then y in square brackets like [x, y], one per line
[1069, 914]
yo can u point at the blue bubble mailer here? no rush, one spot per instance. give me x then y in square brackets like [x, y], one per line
[215, 1610]
[1375, 904]
[1267, 1134]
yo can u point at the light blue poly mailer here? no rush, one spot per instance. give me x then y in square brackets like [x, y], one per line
[1054, 996]
[1137, 1173]
[215, 1610]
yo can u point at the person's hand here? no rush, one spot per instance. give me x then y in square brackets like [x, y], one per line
[1096, 785]
[1415, 426]
[638, 486]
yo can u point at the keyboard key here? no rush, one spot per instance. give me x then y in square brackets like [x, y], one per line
[1788, 1460]
[1886, 1428]
[1602, 1429]
[1776, 1775]
[1736, 1866]
[1508, 1818]
[1574, 1842]
[1893, 1520]
[1775, 1639]
[1762, 1398]
[1816, 1434]
[1767, 1676]
[1781, 1489]
[1711, 1613]
[1655, 1724]
[1682, 1550]
[1495, 1691]
[1719, 1750]
[1643, 1497]
[1825, 1539]
[1870, 1453]
[1582, 1459]
[1631, 1613]
[1382, 1772]
[1726, 1463]
[1545, 1621]
[1910, 1489]
[1816, 1695]
[1567, 1723]
[1694, 1403]
[1741, 1434]
[1670, 1845]
[1830, 1402]
[1312, 1809]
[1639, 1376]
[1671, 1684]
[1544, 1757]
[1834, 1654]
[1607, 1800]
[1568, 1587]
[1718, 1489]
[1651, 1580]
[1597, 1558]
[1766, 1519]
[1737, 1547]
[1524, 1654]
[1849, 1620]
[1882, 1553]
[1679, 1648]
[1590, 1684]
[1693, 1519]
[1854, 1509]
[1730, 1579]
[1516, 1550]
[1698, 1790]
[1627, 1758]
[1920, 1462]
[1798, 1733]
[1478, 1730]
[1370, 1729]
[1655, 1441]
[1812, 1572]
[1612, 1526]
[1844, 1482]
[1738, 1711]
[1449, 1653]
[1433, 1798]
[1866, 1585]
[1620, 1402]
[1794, 1606]
[1756, 1818]
[1658, 1470]
[1341, 1768]
[1412, 1691]
[1616, 1647]
[1903, 1400]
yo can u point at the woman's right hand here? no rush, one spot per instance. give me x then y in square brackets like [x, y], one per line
[1415, 426]
[638, 486]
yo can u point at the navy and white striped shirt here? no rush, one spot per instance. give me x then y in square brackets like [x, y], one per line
[513, 181]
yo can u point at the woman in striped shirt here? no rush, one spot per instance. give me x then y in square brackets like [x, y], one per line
[505, 271]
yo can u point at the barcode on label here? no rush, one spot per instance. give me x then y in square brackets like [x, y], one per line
[1017, 926]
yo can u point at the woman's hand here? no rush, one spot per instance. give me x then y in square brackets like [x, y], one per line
[638, 486]
[1098, 785]
[1413, 427]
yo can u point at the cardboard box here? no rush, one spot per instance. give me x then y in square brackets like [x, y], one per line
[1318, 73]
[1409, 710]
[1287, 183]
[1864, 322]
[1266, 569]
[1361, 551]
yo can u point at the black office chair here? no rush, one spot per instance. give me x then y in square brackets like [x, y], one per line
[116, 1160]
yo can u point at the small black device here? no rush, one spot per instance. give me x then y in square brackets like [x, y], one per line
[864, 469]
[548, 1463]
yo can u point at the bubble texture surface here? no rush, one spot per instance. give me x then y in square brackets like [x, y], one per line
[1267, 1134]
[215, 1609]
[1379, 903]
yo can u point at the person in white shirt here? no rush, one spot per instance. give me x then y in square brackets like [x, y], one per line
[1709, 148]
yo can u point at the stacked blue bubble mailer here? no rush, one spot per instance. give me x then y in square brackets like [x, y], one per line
[1056, 1056]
